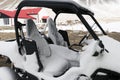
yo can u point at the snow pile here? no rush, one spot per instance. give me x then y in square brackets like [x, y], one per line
[63, 56]
[109, 60]
[6, 74]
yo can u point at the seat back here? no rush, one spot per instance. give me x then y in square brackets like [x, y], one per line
[53, 33]
[65, 36]
[33, 33]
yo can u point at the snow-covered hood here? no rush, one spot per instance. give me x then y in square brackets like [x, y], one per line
[105, 60]
[110, 60]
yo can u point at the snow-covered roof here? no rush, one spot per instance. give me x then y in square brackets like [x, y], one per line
[25, 13]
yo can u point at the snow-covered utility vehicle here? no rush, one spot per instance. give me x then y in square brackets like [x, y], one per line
[39, 57]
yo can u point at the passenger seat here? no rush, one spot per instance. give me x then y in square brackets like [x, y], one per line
[54, 35]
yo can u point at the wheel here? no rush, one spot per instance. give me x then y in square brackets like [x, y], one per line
[103, 74]
[106, 77]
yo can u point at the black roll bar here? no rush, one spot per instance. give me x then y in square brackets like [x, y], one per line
[98, 25]
[87, 26]
[17, 26]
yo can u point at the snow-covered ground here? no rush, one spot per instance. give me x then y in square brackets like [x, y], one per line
[109, 27]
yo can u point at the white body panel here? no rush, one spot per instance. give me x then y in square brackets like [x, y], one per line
[59, 59]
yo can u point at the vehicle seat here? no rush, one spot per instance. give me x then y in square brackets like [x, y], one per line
[65, 36]
[34, 34]
[45, 49]
[53, 33]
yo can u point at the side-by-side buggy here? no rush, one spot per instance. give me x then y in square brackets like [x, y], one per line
[40, 56]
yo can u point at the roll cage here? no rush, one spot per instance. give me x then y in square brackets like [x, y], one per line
[58, 6]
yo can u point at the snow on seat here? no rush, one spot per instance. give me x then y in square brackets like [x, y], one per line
[53, 33]
[59, 58]
[33, 33]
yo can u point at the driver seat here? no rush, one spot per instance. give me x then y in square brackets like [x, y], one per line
[54, 35]
[34, 34]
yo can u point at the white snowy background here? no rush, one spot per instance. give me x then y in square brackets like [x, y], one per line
[107, 12]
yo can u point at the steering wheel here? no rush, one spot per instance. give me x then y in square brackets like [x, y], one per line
[84, 38]
[70, 47]
[80, 43]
